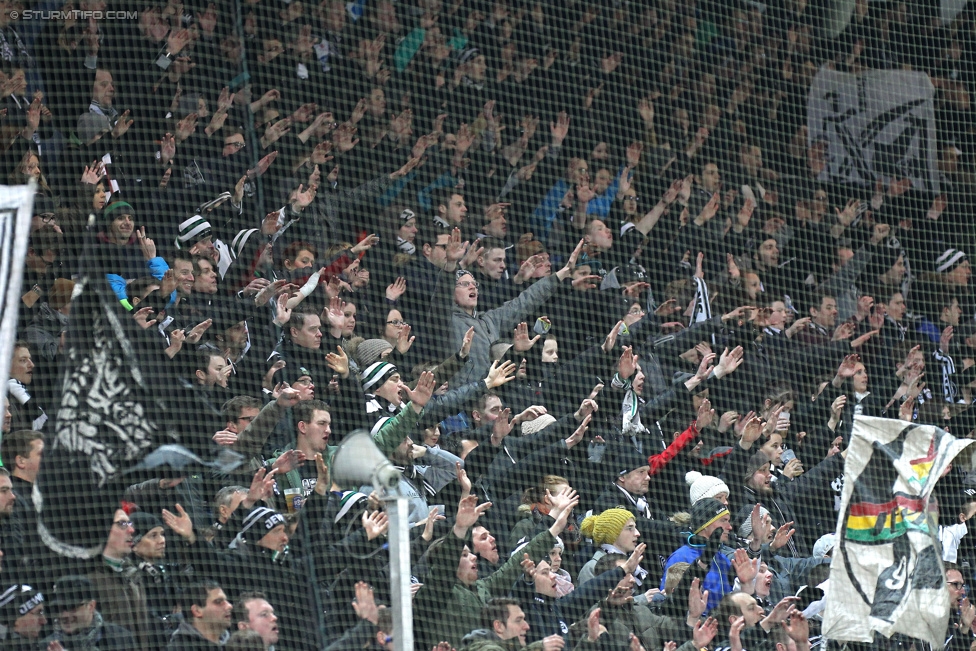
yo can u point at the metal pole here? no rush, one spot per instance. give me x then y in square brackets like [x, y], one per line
[398, 511]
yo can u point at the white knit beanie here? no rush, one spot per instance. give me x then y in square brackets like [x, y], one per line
[537, 424]
[703, 486]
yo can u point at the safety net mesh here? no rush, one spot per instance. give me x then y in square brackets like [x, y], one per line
[631, 272]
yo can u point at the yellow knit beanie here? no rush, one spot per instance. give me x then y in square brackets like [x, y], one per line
[605, 528]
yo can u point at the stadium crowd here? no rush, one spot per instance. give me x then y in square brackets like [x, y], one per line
[575, 266]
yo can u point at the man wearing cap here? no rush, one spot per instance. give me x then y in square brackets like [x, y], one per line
[259, 562]
[195, 236]
[22, 613]
[629, 490]
[614, 531]
[78, 622]
[709, 529]
[116, 585]
[131, 254]
[381, 386]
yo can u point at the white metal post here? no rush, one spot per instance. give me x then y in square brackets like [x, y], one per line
[398, 511]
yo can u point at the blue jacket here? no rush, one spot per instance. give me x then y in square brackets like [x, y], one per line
[545, 214]
[718, 581]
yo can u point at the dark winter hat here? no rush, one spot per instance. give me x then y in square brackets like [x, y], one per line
[949, 260]
[705, 513]
[756, 461]
[263, 520]
[16, 601]
[371, 350]
[240, 241]
[143, 523]
[117, 208]
[193, 230]
[43, 205]
[630, 273]
[92, 125]
[626, 459]
[70, 592]
[376, 374]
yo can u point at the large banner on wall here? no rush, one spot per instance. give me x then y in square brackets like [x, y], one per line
[878, 124]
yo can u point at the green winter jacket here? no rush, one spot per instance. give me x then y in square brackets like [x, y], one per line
[466, 602]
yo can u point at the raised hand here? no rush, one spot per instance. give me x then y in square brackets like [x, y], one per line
[704, 632]
[559, 129]
[729, 361]
[577, 436]
[288, 460]
[611, 339]
[122, 125]
[520, 338]
[195, 333]
[697, 600]
[468, 513]
[396, 289]
[404, 340]
[147, 246]
[338, 362]
[567, 270]
[500, 373]
[262, 486]
[96, 171]
[627, 365]
[376, 524]
[746, 569]
[420, 395]
[594, 629]
[848, 367]
[634, 560]
[466, 343]
[180, 523]
[783, 535]
[705, 415]
[364, 603]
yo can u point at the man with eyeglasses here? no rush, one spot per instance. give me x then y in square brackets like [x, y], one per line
[118, 588]
[494, 324]
[963, 612]
[43, 250]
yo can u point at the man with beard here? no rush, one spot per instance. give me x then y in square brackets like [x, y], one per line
[709, 528]
[757, 489]
[424, 472]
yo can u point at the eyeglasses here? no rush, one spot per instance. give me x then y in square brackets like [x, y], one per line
[123, 524]
[956, 584]
[632, 197]
[468, 283]
[396, 322]
[237, 145]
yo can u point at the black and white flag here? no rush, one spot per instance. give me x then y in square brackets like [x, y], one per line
[877, 124]
[16, 206]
